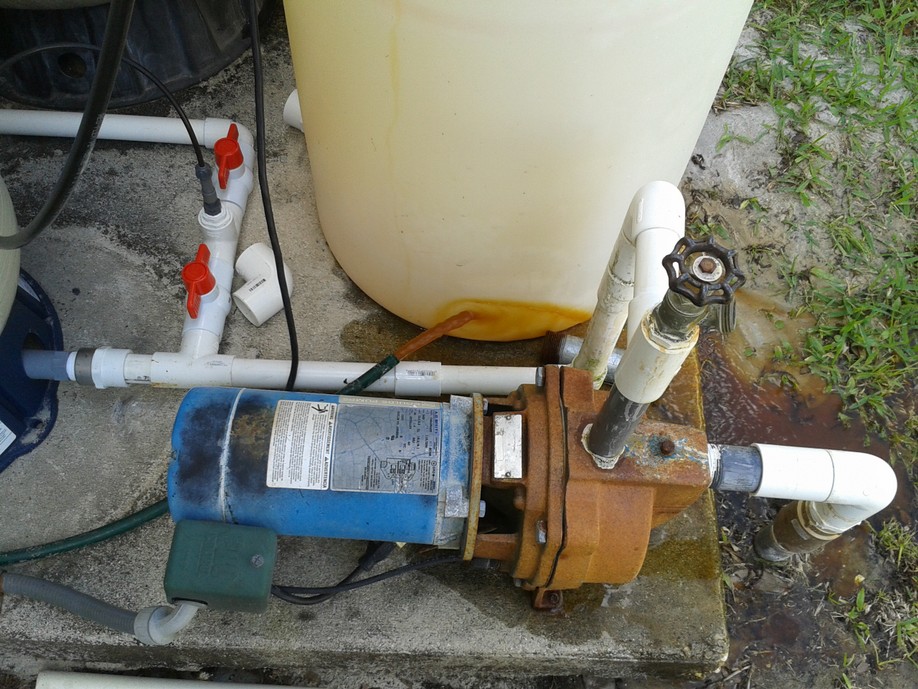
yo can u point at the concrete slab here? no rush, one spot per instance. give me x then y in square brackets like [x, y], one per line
[112, 265]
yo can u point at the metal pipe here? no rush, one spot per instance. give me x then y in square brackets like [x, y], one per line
[564, 349]
[616, 421]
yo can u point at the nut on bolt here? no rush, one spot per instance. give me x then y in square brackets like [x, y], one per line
[667, 447]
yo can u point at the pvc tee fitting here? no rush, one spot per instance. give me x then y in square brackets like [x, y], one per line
[260, 297]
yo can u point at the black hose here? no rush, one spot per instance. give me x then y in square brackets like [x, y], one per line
[116, 28]
[69, 599]
[258, 70]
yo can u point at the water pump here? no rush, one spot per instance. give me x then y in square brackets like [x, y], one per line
[558, 483]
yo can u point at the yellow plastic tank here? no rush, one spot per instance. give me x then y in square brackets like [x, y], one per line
[482, 154]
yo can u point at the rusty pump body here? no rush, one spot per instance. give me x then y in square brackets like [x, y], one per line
[572, 522]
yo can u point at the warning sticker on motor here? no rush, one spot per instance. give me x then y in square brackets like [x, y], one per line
[6, 437]
[387, 449]
[301, 445]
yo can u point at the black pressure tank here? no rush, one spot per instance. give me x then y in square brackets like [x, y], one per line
[181, 41]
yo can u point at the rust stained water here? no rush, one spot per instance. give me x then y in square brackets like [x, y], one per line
[511, 320]
[749, 397]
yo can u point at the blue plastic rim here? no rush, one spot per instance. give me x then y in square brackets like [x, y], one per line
[28, 408]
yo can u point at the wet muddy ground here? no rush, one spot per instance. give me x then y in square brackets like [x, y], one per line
[787, 623]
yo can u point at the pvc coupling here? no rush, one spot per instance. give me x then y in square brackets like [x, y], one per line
[260, 297]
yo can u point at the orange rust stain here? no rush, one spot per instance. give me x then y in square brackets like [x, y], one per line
[503, 321]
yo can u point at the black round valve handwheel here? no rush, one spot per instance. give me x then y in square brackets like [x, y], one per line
[703, 271]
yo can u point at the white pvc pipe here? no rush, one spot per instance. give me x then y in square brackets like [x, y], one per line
[634, 281]
[845, 487]
[408, 379]
[293, 116]
[84, 680]
[198, 363]
[121, 367]
[648, 366]
[143, 128]
[615, 292]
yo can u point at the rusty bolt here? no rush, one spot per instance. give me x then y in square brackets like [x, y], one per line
[667, 447]
[707, 265]
[553, 598]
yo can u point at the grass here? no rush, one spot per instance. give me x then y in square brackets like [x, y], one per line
[885, 623]
[842, 78]
[864, 341]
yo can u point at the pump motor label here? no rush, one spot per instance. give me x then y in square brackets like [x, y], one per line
[301, 445]
[363, 444]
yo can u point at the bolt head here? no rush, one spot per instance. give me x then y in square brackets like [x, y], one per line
[257, 560]
[707, 265]
[667, 447]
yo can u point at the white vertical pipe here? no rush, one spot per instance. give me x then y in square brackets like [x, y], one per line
[634, 281]
[657, 223]
[615, 292]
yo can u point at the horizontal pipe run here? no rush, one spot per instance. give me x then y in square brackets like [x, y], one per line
[140, 128]
[84, 680]
[568, 348]
[106, 367]
[156, 625]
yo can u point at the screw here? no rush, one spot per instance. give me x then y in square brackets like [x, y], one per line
[667, 447]
[257, 560]
[707, 265]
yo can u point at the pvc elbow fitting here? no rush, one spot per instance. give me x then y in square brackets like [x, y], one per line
[833, 491]
[260, 297]
[656, 205]
[293, 116]
[158, 625]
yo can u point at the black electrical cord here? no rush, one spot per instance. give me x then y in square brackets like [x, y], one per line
[133, 64]
[376, 552]
[284, 594]
[293, 594]
[258, 70]
[116, 28]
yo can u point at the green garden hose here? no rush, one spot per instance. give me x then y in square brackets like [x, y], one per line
[103, 533]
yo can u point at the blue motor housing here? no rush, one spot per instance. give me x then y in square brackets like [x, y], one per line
[323, 465]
